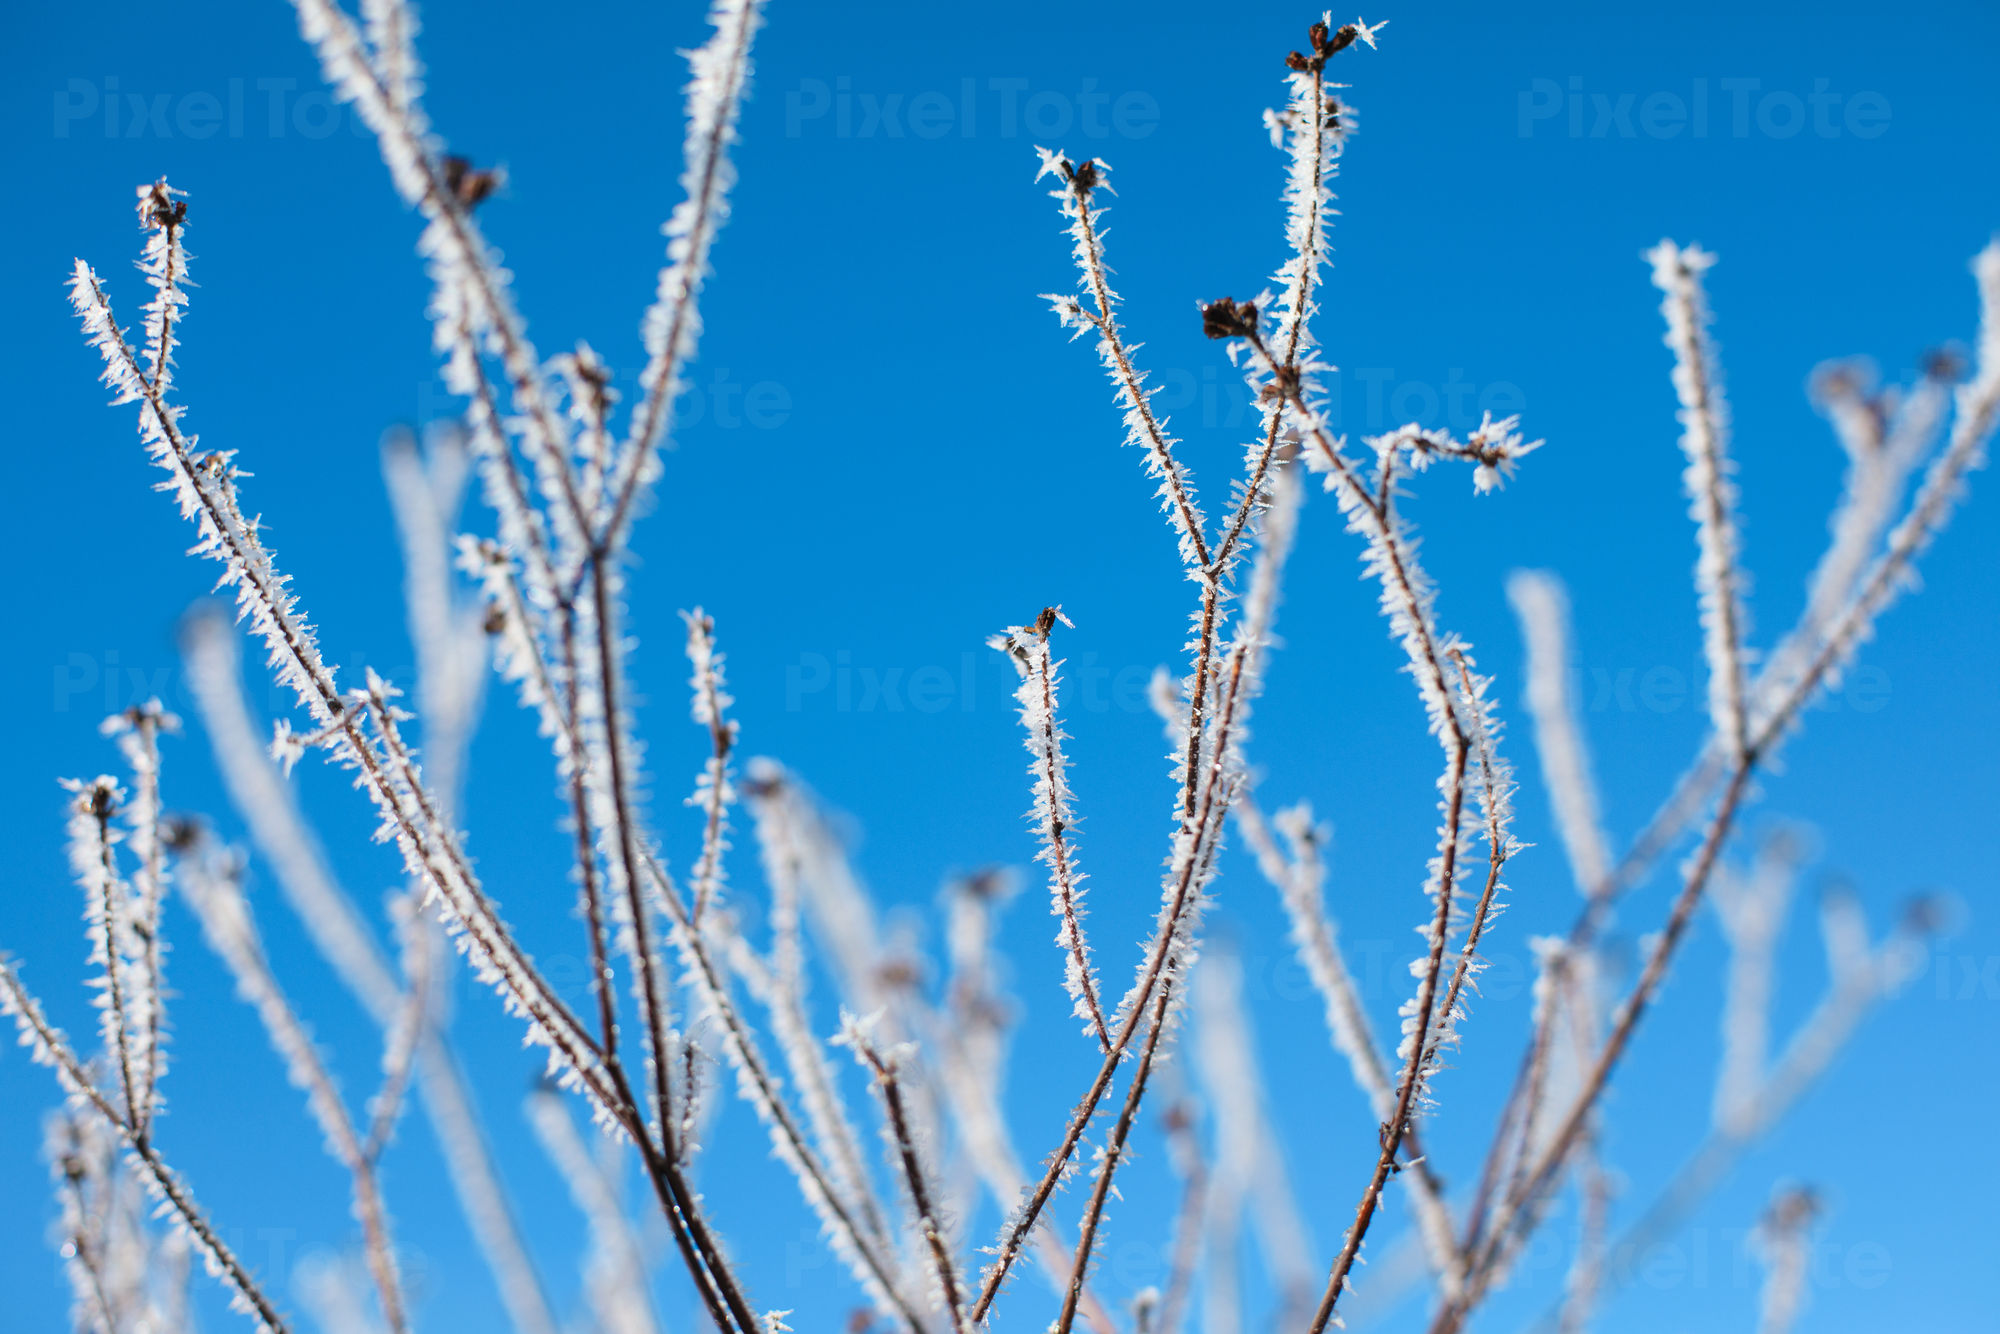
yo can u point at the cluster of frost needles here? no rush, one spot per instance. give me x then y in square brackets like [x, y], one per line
[701, 981]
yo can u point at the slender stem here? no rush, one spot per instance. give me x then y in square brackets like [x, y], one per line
[1410, 1080]
[915, 1180]
[110, 916]
[53, 1047]
[1114, 1150]
[678, 1198]
[602, 978]
[649, 422]
[1513, 1214]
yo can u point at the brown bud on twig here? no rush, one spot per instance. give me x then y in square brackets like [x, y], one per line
[1324, 44]
[1229, 319]
[159, 206]
[1945, 364]
[468, 184]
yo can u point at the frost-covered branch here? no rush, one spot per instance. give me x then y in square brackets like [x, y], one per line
[780, 983]
[885, 1067]
[715, 91]
[210, 883]
[1249, 1173]
[1077, 184]
[260, 794]
[712, 794]
[49, 1046]
[1704, 418]
[204, 485]
[1298, 873]
[1542, 606]
[706, 977]
[615, 1276]
[1028, 648]
[138, 731]
[1784, 1244]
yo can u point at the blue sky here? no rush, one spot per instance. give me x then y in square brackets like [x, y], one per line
[893, 452]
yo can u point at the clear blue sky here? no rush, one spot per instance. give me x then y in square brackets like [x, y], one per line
[895, 452]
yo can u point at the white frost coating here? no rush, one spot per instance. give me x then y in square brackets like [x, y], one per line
[392, 32]
[1300, 879]
[334, 1292]
[1237, 682]
[123, 1274]
[163, 214]
[384, 767]
[713, 792]
[1783, 1241]
[758, 1087]
[117, 952]
[137, 731]
[268, 806]
[1076, 186]
[1542, 607]
[1055, 821]
[1389, 558]
[472, 306]
[1886, 437]
[1752, 909]
[210, 883]
[343, 939]
[446, 630]
[47, 1045]
[1876, 480]
[1491, 783]
[1313, 129]
[885, 1064]
[781, 985]
[720, 76]
[616, 1284]
[1494, 448]
[1249, 1169]
[1976, 405]
[1704, 418]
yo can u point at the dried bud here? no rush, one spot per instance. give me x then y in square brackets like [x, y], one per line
[180, 833]
[468, 184]
[899, 973]
[1229, 319]
[160, 205]
[987, 883]
[1944, 364]
[1927, 914]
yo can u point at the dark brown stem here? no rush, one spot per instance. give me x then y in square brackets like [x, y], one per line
[915, 1181]
[1411, 1081]
[1114, 1150]
[1515, 1216]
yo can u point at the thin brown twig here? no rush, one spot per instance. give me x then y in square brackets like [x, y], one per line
[1187, 1236]
[930, 1225]
[1408, 1083]
[1512, 1215]
[1114, 1150]
[53, 1048]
